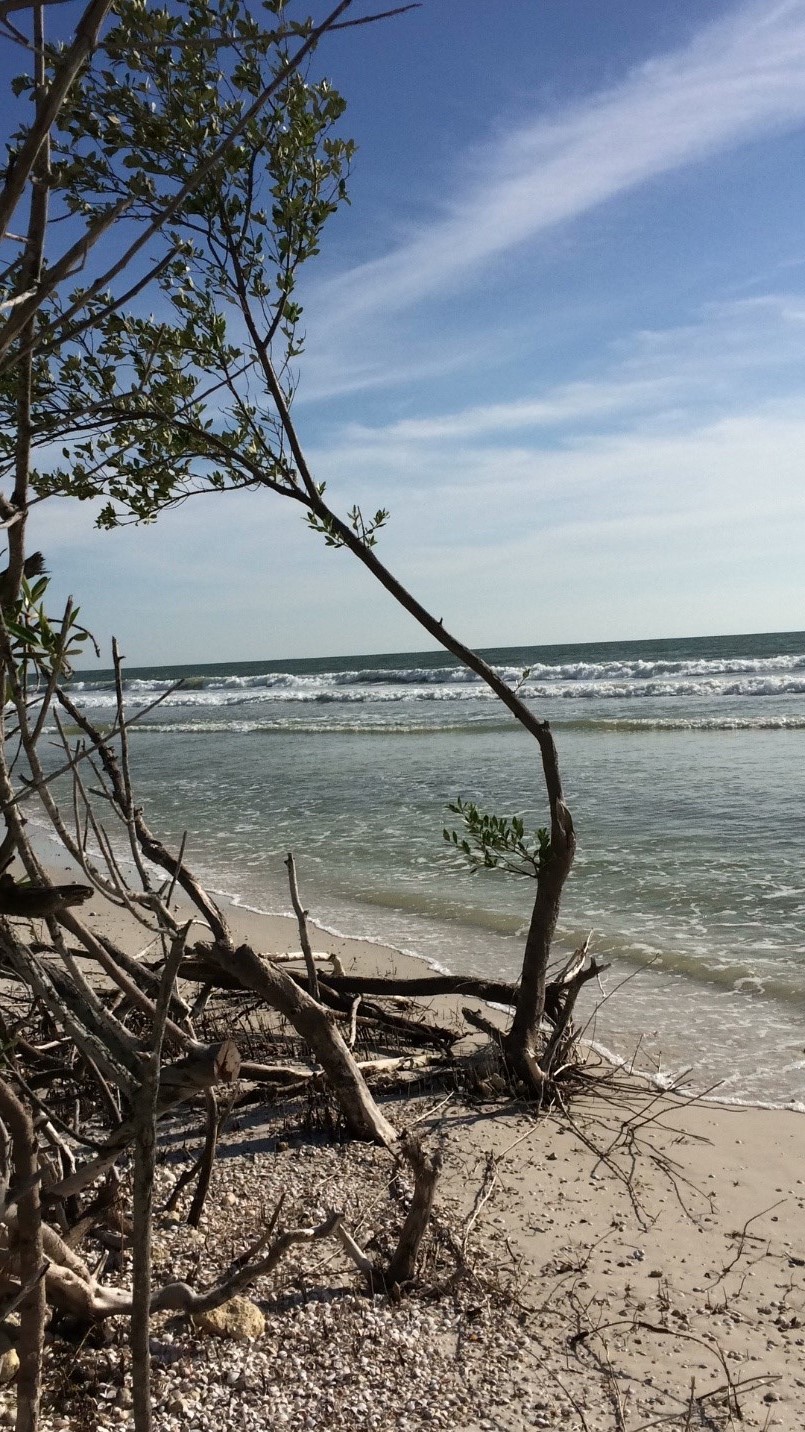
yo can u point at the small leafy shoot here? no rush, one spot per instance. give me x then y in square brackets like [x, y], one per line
[365, 529]
[491, 842]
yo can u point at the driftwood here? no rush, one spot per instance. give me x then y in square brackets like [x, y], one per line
[401, 1266]
[34, 902]
[73, 1289]
[576, 974]
[425, 1168]
[201, 1168]
[199, 969]
[316, 1027]
[145, 1137]
[301, 920]
[177, 1082]
[361, 1012]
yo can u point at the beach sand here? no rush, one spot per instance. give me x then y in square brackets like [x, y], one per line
[639, 1260]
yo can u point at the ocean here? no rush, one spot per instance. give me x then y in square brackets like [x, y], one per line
[684, 767]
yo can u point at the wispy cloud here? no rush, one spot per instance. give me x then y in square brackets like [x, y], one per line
[655, 378]
[740, 78]
[686, 446]
[572, 402]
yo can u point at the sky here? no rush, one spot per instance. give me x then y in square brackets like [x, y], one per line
[559, 332]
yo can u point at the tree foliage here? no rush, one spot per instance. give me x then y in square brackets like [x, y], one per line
[180, 209]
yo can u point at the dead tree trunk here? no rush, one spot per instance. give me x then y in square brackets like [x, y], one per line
[553, 871]
[425, 1168]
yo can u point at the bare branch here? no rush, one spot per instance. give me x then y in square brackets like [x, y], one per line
[144, 1167]
[50, 102]
[304, 938]
[30, 1253]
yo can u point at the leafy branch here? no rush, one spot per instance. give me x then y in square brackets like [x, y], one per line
[491, 842]
[365, 529]
[34, 638]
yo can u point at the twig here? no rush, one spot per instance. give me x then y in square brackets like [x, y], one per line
[304, 939]
[482, 1197]
[144, 1166]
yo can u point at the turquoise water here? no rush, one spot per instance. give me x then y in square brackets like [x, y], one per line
[683, 766]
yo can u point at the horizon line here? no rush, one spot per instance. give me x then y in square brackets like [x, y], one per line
[438, 650]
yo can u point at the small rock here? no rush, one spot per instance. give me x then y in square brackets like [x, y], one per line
[240, 1319]
[9, 1361]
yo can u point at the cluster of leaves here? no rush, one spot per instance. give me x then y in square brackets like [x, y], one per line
[145, 409]
[491, 842]
[39, 645]
[365, 529]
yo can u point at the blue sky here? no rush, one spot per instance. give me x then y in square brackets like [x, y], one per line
[560, 333]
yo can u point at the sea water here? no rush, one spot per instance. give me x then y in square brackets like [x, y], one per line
[684, 767]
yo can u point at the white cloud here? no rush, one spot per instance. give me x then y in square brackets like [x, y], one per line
[694, 531]
[654, 380]
[682, 456]
[740, 78]
[678, 465]
[578, 402]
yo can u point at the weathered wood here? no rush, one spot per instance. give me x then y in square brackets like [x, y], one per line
[196, 967]
[34, 902]
[207, 1159]
[425, 1168]
[386, 986]
[218, 1064]
[145, 1139]
[316, 1027]
[72, 1288]
[301, 920]
[29, 1252]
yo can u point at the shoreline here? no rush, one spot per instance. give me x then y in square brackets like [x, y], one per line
[374, 955]
[617, 1062]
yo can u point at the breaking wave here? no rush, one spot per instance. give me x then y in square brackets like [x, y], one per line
[600, 681]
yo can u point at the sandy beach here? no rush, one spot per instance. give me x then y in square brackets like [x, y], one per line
[632, 1260]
